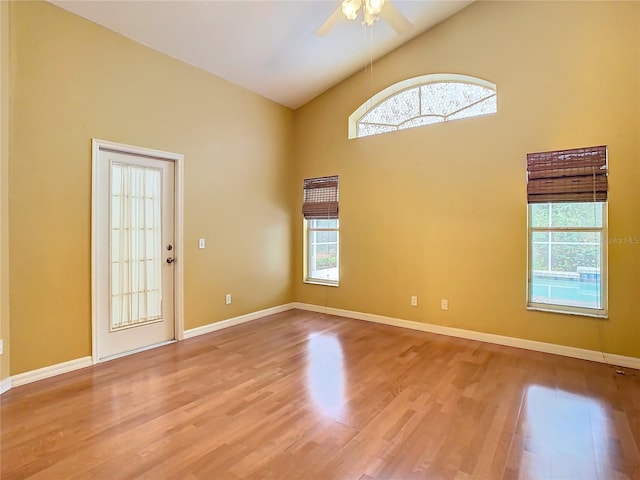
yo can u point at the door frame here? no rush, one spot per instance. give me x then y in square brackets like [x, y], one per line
[178, 281]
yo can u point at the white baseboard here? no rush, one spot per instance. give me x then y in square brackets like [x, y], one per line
[5, 385]
[50, 371]
[230, 322]
[621, 360]
[581, 353]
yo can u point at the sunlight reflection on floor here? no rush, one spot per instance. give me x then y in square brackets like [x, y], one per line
[325, 374]
[563, 435]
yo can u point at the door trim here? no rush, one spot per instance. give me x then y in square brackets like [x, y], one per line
[178, 160]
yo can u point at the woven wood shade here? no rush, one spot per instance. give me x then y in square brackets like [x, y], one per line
[577, 175]
[320, 198]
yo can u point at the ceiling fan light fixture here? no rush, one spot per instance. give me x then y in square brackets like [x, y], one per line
[372, 11]
[350, 9]
[373, 7]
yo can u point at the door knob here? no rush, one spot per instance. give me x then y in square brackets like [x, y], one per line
[170, 259]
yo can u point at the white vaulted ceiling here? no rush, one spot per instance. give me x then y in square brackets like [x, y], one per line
[268, 47]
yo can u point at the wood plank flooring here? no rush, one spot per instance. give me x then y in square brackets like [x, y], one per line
[301, 395]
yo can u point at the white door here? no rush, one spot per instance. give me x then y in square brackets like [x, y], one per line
[134, 259]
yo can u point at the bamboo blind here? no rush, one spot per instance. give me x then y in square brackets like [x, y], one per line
[576, 175]
[320, 198]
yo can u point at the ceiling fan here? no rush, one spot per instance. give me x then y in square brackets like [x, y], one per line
[372, 10]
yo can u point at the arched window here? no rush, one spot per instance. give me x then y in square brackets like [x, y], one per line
[423, 101]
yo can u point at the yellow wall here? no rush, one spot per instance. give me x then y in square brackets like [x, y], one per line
[440, 211]
[437, 212]
[75, 80]
[4, 204]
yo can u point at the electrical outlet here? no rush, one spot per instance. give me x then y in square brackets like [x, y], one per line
[444, 304]
[227, 298]
[414, 301]
[1, 346]
[201, 243]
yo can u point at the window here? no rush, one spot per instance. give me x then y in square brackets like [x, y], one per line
[322, 230]
[322, 242]
[422, 101]
[567, 196]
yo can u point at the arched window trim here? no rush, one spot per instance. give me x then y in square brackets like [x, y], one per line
[403, 85]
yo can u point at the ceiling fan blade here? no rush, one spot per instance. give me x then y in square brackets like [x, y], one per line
[393, 17]
[334, 18]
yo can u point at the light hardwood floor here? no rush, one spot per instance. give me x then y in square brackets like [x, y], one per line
[309, 396]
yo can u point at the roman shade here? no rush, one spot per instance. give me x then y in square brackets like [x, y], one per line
[576, 175]
[320, 198]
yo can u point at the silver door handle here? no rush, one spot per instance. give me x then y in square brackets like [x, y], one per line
[170, 259]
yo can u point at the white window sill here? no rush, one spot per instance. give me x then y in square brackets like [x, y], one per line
[567, 311]
[314, 281]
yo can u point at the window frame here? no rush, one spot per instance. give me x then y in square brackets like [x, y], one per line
[601, 312]
[407, 84]
[308, 230]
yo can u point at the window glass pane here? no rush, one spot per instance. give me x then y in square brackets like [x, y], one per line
[584, 215]
[570, 292]
[571, 237]
[324, 236]
[323, 255]
[540, 237]
[420, 121]
[366, 129]
[332, 223]
[573, 251]
[570, 274]
[539, 214]
[540, 251]
[588, 214]
[540, 256]
[481, 108]
[424, 104]
[447, 98]
[396, 109]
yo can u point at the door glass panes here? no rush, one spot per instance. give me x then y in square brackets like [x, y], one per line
[136, 250]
